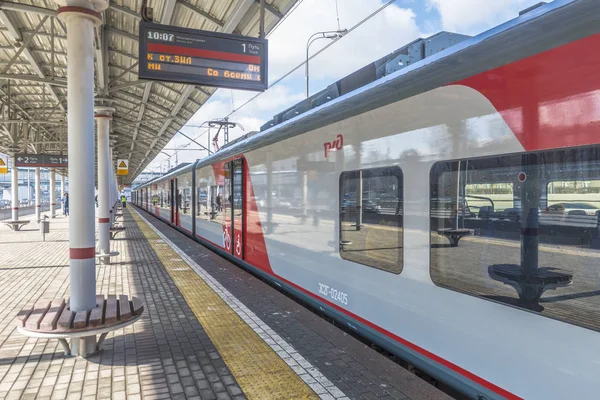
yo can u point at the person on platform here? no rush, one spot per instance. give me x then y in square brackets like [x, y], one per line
[65, 201]
[124, 201]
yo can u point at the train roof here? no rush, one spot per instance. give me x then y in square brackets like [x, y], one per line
[532, 32]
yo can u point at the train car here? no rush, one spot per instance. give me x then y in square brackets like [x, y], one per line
[446, 211]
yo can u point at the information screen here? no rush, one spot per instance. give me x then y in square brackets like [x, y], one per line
[183, 55]
[41, 160]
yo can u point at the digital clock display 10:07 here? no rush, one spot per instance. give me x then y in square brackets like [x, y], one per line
[155, 35]
[182, 55]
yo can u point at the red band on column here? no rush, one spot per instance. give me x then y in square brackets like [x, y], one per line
[82, 10]
[81, 254]
[38, 205]
[103, 220]
[15, 208]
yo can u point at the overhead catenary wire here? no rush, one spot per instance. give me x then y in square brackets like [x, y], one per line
[354, 27]
[280, 79]
[277, 25]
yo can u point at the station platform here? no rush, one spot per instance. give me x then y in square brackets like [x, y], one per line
[209, 330]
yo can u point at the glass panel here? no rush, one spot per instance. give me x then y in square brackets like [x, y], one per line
[184, 189]
[202, 209]
[511, 228]
[216, 201]
[237, 202]
[372, 234]
[179, 201]
[224, 203]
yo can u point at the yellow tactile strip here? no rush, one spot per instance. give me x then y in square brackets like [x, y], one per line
[258, 370]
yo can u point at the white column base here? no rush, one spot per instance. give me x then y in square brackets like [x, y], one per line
[83, 346]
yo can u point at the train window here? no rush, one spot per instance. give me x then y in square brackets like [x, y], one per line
[202, 206]
[522, 230]
[371, 234]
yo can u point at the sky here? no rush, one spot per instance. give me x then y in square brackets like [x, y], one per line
[398, 24]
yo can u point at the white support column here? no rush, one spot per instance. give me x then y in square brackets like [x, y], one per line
[62, 191]
[103, 117]
[28, 186]
[111, 187]
[52, 193]
[14, 187]
[38, 194]
[80, 16]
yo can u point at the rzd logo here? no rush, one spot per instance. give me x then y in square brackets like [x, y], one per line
[337, 144]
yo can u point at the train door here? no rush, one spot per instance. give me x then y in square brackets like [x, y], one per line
[233, 208]
[177, 198]
[171, 201]
[237, 204]
[182, 202]
[224, 205]
[212, 199]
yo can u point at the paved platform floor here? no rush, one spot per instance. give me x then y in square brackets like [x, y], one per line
[256, 343]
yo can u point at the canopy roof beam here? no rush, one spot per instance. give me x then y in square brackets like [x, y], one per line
[29, 55]
[271, 9]
[203, 13]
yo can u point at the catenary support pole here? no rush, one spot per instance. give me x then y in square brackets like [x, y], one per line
[52, 193]
[80, 18]
[38, 194]
[103, 117]
[14, 187]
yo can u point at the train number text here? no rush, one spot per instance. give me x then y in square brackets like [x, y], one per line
[333, 293]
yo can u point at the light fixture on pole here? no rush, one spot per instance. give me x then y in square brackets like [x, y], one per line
[334, 35]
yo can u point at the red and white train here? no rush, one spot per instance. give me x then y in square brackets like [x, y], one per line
[447, 211]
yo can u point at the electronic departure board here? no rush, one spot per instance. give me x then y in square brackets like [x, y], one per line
[182, 55]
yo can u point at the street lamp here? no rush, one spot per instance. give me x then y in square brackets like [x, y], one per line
[321, 35]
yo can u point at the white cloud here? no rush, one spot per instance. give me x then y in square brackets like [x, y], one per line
[273, 100]
[387, 31]
[260, 109]
[251, 117]
[475, 16]
[216, 107]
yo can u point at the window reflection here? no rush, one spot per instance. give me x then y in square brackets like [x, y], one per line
[371, 218]
[529, 231]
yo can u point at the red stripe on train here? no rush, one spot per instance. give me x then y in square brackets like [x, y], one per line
[261, 256]
[267, 268]
[549, 100]
[412, 346]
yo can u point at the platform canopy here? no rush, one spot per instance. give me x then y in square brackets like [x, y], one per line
[33, 60]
